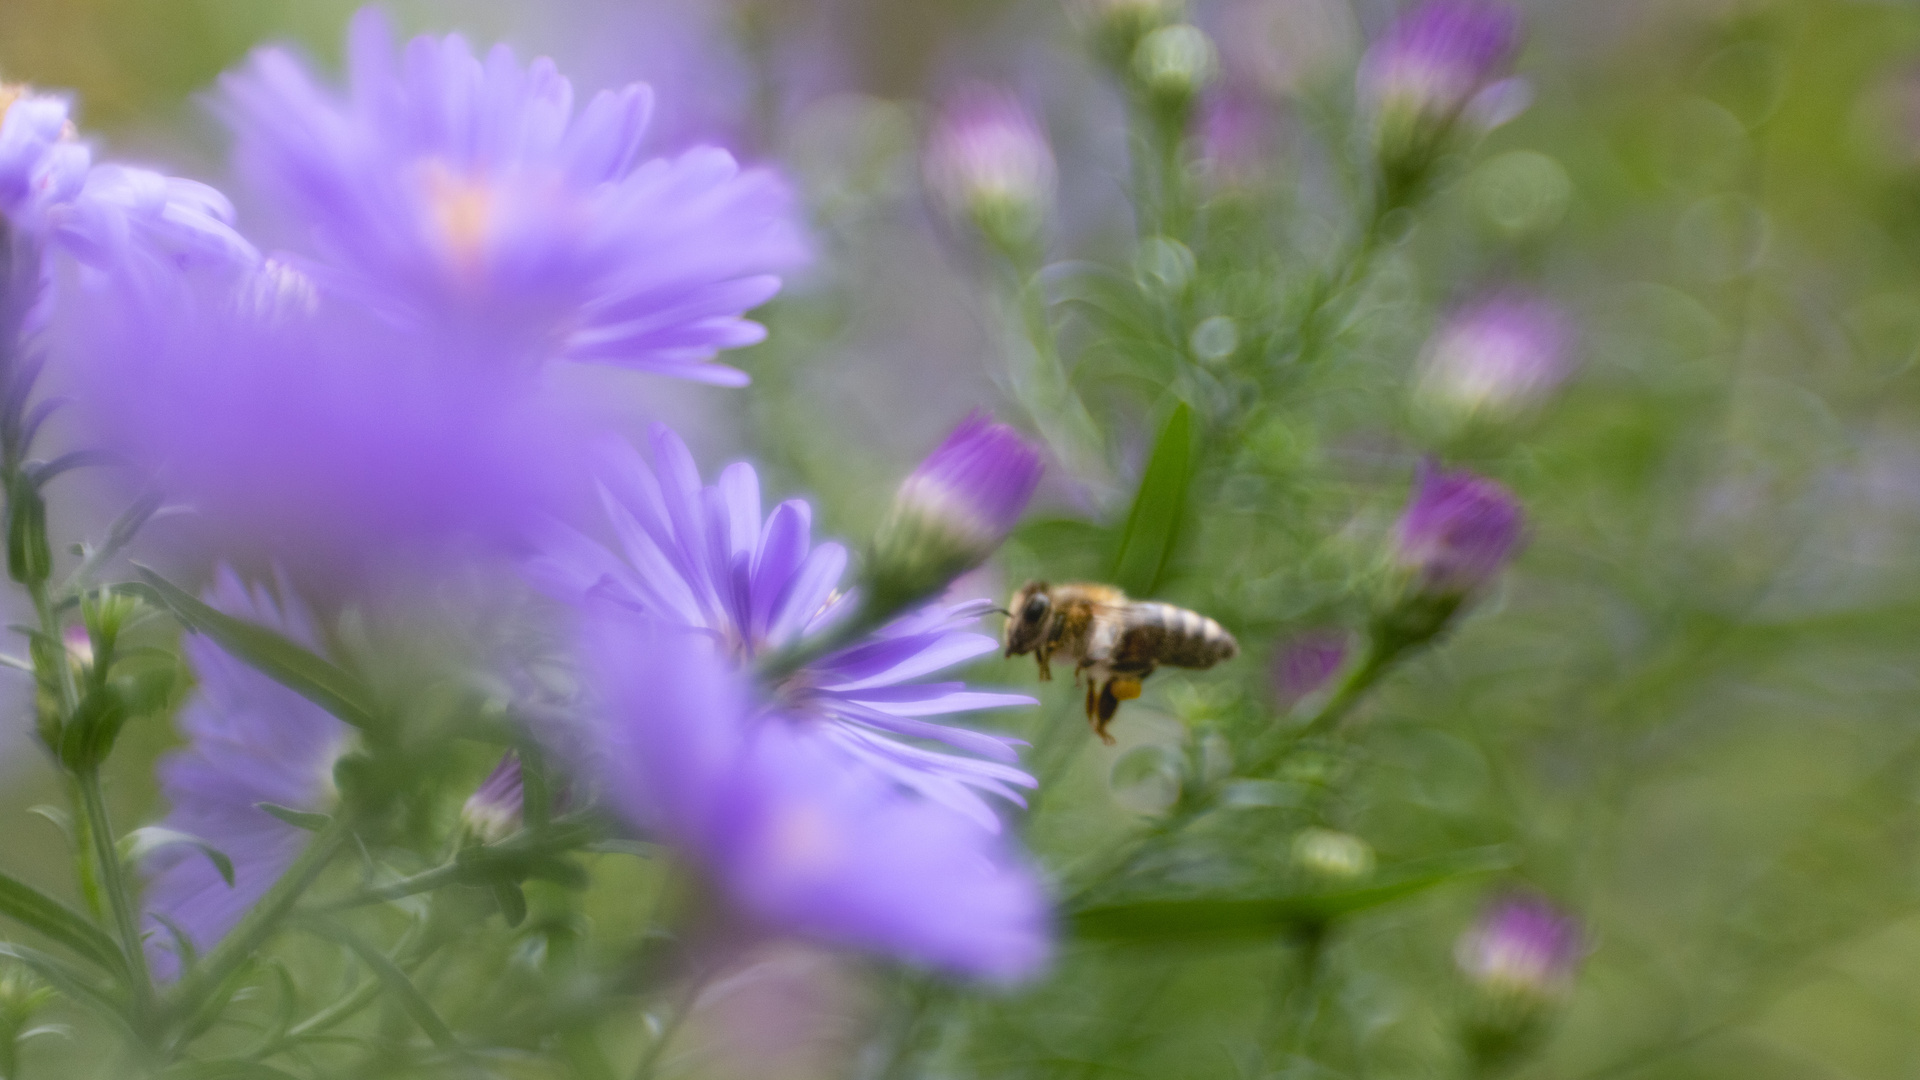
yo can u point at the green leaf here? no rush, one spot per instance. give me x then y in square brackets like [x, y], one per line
[397, 983]
[29, 559]
[33, 908]
[272, 654]
[1238, 917]
[1153, 525]
[88, 736]
[225, 1070]
[140, 843]
[513, 902]
[299, 819]
[75, 985]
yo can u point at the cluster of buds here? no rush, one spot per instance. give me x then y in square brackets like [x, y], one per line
[1439, 71]
[951, 513]
[1455, 536]
[988, 163]
[1521, 956]
[1495, 360]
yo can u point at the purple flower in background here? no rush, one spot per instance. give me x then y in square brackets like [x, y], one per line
[705, 559]
[249, 740]
[1441, 62]
[332, 438]
[1500, 355]
[1522, 947]
[54, 196]
[987, 161]
[1457, 533]
[953, 511]
[1305, 663]
[463, 194]
[1236, 138]
[798, 837]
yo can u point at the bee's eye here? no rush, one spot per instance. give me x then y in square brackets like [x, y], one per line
[1035, 610]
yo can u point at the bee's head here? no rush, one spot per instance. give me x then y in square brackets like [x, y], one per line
[1027, 617]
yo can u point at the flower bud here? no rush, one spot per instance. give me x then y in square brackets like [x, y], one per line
[1455, 536]
[1496, 358]
[987, 162]
[1304, 664]
[953, 511]
[1334, 857]
[1458, 531]
[492, 813]
[1522, 949]
[1175, 62]
[1436, 68]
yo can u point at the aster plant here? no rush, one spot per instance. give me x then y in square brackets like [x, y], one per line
[506, 745]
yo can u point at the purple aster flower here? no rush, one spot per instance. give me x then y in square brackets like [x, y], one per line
[704, 558]
[953, 511]
[249, 740]
[1500, 355]
[1433, 64]
[42, 163]
[302, 426]
[987, 161]
[465, 195]
[1524, 948]
[1304, 664]
[1457, 533]
[798, 837]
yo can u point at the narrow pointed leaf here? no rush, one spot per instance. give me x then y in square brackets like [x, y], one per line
[140, 843]
[1153, 525]
[58, 922]
[1238, 917]
[299, 819]
[272, 654]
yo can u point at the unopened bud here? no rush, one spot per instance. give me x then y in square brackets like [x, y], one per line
[1304, 664]
[1522, 950]
[1438, 68]
[987, 162]
[492, 813]
[1176, 62]
[1332, 856]
[1455, 536]
[953, 511]
[1496, 358]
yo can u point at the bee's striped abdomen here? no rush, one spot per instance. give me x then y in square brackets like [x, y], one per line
[1163, 634]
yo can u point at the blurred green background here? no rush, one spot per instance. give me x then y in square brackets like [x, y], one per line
[1691, 710]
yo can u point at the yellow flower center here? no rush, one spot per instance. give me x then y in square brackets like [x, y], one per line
[10, 93]
[462, 211]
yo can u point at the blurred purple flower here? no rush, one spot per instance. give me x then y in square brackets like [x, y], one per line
[799, 838]
[1441, 62]
[1236, 138]
[464, 195]
[987, 161]
[1500, 355]
[1305, 663]
[330, 437]
[1457, 533]
[249, 740]
[53, 196]
[703, 558]
[1522, 947]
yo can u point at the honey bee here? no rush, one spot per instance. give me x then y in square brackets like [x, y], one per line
[1115, 642]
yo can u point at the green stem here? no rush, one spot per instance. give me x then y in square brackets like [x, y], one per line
[113, 881]
[259, 924]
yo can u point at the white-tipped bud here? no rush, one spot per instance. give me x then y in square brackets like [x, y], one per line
[1331, 855]
[1175, 63]
[987, 162]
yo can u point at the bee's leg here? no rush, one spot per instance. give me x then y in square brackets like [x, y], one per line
[1124, 686]
[1092, 705]
[1046, 669]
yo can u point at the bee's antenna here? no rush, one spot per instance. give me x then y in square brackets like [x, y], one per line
[1001, 611]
